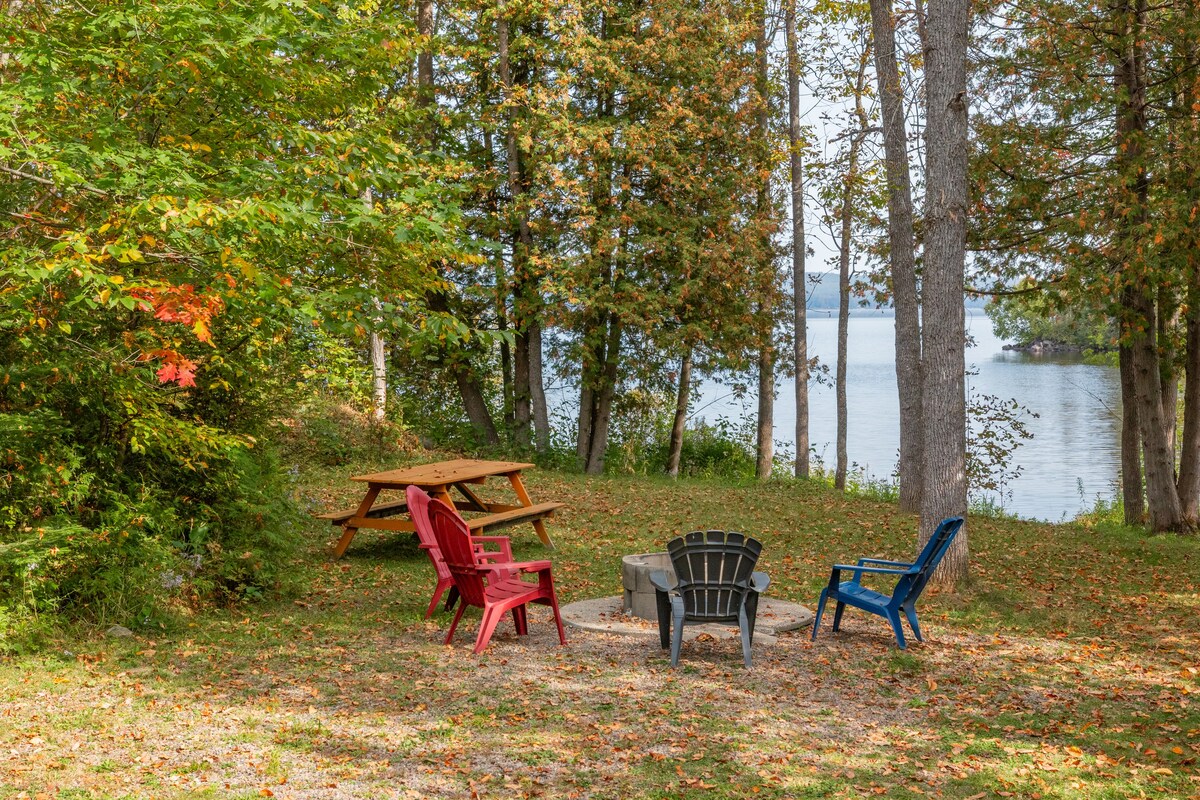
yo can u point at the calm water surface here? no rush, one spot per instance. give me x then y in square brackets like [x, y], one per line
[1073, 457]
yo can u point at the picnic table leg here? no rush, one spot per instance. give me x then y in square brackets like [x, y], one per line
[522, 495]
[348, 531]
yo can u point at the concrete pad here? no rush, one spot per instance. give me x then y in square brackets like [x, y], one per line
[605, 614]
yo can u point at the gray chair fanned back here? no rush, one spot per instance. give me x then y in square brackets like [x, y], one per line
[715, 582]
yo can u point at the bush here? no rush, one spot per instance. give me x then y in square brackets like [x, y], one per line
[125, 495]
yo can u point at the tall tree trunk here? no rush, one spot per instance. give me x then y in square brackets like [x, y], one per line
[1131, 440]
[597, 379]
[839, 474]
[470, 390]
[1166, 511]
[1188, 484]
[765, 446]
[502, 289]
[846, 215]
[602, 409]
[682, 395]
[376, 347]
[522, 243]
[587, 414]
[469, 387]
[944, 364]
[799, 281]
[522, 406]
[379, 380]
[1162, 497]
[765, 449]
[900, 254]
[425, 56]
[1168, 321]
[537, 389]
[475, 405]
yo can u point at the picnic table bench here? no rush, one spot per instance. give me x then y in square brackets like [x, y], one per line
[438, 479]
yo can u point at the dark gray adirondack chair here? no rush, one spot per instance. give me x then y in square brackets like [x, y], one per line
[913, 578]
[715, 582]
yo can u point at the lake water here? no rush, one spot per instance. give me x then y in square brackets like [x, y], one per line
[1073, 457]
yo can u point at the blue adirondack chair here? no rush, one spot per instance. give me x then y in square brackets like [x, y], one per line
[913, 578]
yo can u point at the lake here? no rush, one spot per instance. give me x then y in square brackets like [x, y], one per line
[1073, 457]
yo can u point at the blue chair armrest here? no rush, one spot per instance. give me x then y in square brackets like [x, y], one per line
[858, 570]
[658, 579]
[759, 581]
[905, 564]
[881, 570]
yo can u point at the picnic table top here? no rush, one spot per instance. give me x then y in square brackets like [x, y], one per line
[443, 473]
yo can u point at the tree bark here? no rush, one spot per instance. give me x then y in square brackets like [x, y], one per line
[521, 246]
[502, 289]
[944, 365]
[839, 474]
[765, 449]
[378, 378]
[376, 347]
[522, 406]
[587, 413]
[1188, 484]
[846, 215]
[900, 254]
[1131, 440]
[1162, 497]
[537, 389]
[799, 281]
[1168, 379]
[604, 399]
[475, 405]
[425, 55]
[682, 395]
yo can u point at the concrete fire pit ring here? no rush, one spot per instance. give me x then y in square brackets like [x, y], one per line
[639, 599]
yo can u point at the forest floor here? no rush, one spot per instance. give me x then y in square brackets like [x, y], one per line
[1069, 668]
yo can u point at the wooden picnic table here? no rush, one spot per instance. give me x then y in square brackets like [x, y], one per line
[438, 479]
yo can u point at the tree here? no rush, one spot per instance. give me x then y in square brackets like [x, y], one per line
[799, 282]
[901, 256]
[944, 491]
[851, 189]
[660, 220]
[764, 263]
[1090, 196]
[185, 204]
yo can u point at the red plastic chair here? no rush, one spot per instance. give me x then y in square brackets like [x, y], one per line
[493, 587]
[418, 509]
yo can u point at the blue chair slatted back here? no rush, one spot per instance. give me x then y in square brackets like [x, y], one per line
[714, 570]
[909, 587]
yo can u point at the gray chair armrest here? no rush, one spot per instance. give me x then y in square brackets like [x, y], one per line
[759, 581]
[658, 579]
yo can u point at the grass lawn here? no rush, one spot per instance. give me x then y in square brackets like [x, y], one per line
[1070, 668]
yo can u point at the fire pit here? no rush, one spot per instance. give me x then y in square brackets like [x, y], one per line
[635, 577]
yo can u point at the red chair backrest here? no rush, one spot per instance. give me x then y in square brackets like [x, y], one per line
[454, 540]
[418, 509]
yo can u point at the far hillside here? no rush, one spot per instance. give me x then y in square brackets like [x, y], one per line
[823, 294]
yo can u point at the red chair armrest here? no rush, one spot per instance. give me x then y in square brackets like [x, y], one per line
[523, 566]
[503, 551]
